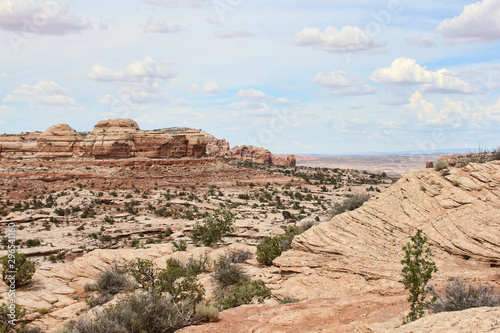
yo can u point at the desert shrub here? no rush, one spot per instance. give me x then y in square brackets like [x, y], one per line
[206, 313]
[227, 273]
[441, 165]
[149, 312]
[6, 317]
[24, 268]
[495, 156]
[198, 265]
[243, 292]
[214, 227]
[89, 287]
[349, 204]
[238, 256]
[180, 246]
[288, 300]
[458, 296]
[33, 242]
[98, 299]
[271, 248]
[143, 272]
[307, 224]
[180, 282]
[113, 280]
[417, 272]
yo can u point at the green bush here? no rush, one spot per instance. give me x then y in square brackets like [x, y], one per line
[6, 318]
[149, 312]
[214, 227]
[23, 267]
[458, 296]
[180, 282]
[198, 265]
[441, 165]
[208, 313]
[243, 292]
[417, 272]
[143, 272]
[181, 246]
[227, 273]
[113, 280]
[271, 248]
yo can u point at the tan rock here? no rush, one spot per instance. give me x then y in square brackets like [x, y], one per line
[360, 251]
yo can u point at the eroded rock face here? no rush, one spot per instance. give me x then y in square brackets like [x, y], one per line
[110, 139]
[220, 148]
[360, 251]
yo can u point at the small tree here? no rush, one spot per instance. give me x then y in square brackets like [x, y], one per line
[18, 263]
[417, 271]
[214, 227]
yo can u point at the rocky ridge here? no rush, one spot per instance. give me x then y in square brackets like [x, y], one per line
[110, 139]
[360, 251]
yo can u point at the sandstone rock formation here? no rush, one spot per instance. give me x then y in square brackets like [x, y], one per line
[117, 138]
[429, 165]
[220, 148]
[360, 251]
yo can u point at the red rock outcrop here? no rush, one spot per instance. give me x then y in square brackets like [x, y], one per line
[115, 139]
[429, 165]
[220, 148]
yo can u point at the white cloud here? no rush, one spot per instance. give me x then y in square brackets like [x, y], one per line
[403, 71]
[341, 82]
[232, 128]
[491, 112]
[161, 26]
[40, 17]
[349, 39]
[234, 33]
[132, 95]
[4, 75]
[479, 22]
[43, 95]
[135, 72]
[423, 41]
[207, 88]
[252, 95]
[283, 100]
[452, 113]
[406, 71]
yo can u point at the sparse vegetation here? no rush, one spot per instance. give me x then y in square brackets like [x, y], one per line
[417, 272]
[441, 165]
[242, 292]
[19, 263]
[214, 227]
[148, 309]
[113, 280]
[459, 296]
[272, 247]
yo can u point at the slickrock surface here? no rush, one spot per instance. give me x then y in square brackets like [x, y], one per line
[116, 138]
[360, 251]
[478, 320]
[347, 271]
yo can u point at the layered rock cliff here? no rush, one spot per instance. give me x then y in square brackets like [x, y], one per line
[220, 148]
[117, 138]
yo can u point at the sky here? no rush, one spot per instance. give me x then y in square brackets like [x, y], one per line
[303, 77]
